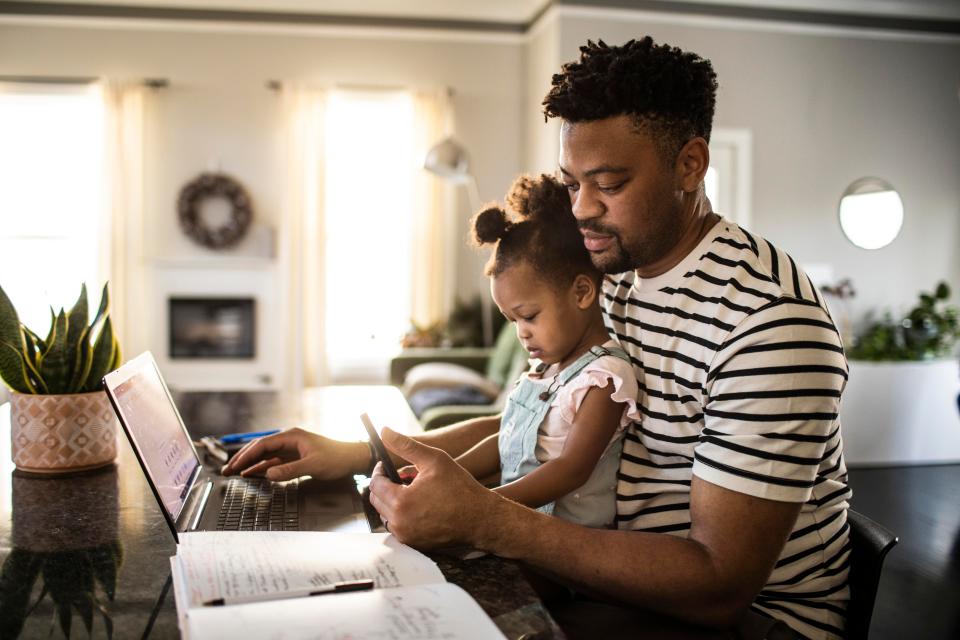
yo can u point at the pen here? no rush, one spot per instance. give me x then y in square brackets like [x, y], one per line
[243, 437]
[213, 448]
[337, 587]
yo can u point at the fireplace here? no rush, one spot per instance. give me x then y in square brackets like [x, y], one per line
[212, 328]
[217, 326]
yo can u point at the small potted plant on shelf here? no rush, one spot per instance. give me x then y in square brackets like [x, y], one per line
[926, 332]
[60, 418]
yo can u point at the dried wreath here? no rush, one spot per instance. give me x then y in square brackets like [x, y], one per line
[214, 185]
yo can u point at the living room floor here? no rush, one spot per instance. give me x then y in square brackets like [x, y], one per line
[919, 594]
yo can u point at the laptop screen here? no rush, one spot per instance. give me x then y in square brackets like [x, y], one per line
[155, 429]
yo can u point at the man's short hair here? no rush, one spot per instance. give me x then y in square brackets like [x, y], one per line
[669, 92]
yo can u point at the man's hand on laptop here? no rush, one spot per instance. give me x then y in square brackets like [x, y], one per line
[294, 453]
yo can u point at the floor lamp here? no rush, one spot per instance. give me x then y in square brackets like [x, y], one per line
[449, 160]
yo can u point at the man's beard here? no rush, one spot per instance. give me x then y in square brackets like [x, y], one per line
[619, 258]
[616, 259]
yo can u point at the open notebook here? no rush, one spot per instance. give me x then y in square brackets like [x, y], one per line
[410, 599]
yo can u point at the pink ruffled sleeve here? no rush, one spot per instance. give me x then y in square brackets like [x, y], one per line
[599, 373]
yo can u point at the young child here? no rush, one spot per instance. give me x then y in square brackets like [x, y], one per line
[558, 448]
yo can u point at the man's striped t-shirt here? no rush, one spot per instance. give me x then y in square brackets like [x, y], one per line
[741, 371]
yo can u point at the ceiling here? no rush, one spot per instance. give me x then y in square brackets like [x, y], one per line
[519, 13]
[942, 9]
[510, 11]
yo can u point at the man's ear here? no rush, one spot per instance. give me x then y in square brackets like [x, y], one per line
[584, 291]
[692, 164]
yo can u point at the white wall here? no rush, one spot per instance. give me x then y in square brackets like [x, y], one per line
[824, 110]
[217, 109]
[543, 58]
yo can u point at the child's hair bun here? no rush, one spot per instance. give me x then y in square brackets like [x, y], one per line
[544, 196]
[490, 225]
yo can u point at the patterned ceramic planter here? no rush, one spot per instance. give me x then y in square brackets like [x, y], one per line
[62, 433]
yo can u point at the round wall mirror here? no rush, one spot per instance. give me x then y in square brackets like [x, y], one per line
[871, 213]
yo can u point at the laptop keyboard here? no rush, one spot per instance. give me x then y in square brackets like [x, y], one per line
[259, 505]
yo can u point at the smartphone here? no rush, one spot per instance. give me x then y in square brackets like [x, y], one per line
[380, 450]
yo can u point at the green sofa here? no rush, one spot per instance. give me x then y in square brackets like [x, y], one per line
[501, 364]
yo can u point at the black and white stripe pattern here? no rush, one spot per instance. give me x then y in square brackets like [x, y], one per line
[741, 371]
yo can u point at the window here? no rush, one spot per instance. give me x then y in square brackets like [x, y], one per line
[370, 162]
[51, 181]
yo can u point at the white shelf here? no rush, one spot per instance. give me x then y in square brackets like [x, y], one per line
[227, 262]
[896, 413]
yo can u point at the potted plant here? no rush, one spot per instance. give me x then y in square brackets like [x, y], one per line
[926, 332]
[900, 404]
[60, 419]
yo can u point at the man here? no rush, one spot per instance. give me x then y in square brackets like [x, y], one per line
[732, 490]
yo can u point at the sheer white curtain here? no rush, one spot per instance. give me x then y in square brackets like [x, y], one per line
[301, 232]
[366, 236]
[435, 244]
[125, 107]
[371, 163]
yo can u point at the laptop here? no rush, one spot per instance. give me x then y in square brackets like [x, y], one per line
[195, 498]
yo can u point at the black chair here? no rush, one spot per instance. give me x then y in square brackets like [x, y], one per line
[869, 544]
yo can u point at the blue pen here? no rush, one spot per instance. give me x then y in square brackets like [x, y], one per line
[243, 437]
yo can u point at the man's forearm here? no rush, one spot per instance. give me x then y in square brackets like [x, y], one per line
[659, 572]
[457, 438]
[710, 577]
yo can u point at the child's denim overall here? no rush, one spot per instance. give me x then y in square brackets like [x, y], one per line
[593, 504]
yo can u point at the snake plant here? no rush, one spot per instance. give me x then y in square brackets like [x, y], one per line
[74, 356]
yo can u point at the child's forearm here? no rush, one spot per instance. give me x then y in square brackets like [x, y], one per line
[483, 459]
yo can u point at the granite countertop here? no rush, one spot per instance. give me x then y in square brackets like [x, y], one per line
[89, 553]
[504, 593]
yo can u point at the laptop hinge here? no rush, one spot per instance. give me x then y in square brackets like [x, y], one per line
[189, 496]
[200, 507]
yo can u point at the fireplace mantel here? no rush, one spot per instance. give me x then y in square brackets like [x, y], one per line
[215, 262]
